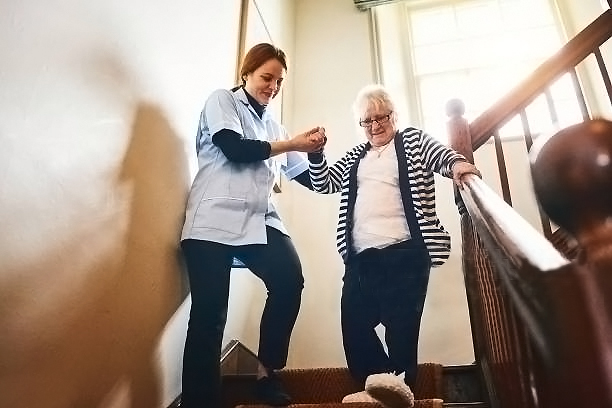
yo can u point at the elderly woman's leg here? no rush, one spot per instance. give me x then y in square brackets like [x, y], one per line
[360, 314]
[403, 299]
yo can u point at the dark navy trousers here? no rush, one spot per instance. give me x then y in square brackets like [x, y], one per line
[384, 286]
[208, 265]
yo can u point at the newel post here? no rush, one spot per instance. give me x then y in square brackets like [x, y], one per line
[572, 179]
[460, 140]
[459, 129]
[459, 137]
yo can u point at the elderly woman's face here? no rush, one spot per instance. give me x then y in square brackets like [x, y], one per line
[379, 124]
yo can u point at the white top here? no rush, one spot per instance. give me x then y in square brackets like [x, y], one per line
[229, 202]
[379, 217]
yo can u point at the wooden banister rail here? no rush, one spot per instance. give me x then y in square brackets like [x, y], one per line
[520, 254]
[564, 307]
[576, 50]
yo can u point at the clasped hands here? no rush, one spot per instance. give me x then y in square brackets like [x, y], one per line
[310, 141]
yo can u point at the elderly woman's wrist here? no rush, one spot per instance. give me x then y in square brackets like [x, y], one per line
[315, 157]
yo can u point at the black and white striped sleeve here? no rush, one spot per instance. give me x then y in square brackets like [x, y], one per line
[438, 157]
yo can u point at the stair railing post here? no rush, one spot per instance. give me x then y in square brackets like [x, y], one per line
[459, 137]
[572, 179]
[461, 141]
[459, 129]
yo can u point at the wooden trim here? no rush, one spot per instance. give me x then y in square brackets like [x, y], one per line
[176, 403]
[228, 349]
[226, 353]
[364, 5]
[576, 50]
[242, 33]
[375, 47]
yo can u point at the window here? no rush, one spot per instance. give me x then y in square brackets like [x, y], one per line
[477, 50]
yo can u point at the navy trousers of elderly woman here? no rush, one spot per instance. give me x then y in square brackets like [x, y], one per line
[384, 286]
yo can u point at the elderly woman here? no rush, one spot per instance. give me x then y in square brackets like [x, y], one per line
[389, 235]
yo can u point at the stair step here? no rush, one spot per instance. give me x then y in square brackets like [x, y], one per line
[457, 386]
[324, 386]
[462, 384]
[428, 403]
[436, 385]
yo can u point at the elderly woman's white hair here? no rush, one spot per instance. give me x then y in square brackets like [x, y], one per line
[372, 95]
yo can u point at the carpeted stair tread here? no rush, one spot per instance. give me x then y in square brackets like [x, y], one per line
[332, 384]
[311, 386]
[325, 405]
[426, 403]
[429, 383]
[325, 388]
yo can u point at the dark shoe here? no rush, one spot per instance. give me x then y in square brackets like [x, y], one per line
[269, 390]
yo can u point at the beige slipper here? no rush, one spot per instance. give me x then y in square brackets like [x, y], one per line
[390, 390]
[361, 396]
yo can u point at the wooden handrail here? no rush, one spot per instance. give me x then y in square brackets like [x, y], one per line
[522, 243]
[564, 306]
[576, 50]
[521, 255]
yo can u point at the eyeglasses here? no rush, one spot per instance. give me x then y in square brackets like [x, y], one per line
[366, 123]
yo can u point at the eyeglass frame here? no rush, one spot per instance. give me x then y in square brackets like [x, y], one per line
[380, 121]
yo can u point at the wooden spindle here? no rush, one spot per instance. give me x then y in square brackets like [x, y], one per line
[579, 95]
[546, 229]
[605, 76]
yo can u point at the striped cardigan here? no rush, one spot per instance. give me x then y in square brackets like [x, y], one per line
[423, 155]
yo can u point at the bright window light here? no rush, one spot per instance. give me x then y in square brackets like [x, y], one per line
[477, 50]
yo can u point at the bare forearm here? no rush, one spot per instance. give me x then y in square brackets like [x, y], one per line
[282, 146]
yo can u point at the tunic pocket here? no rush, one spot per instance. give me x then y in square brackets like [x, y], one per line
[227, 214]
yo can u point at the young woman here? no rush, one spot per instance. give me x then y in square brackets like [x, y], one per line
[229, 215]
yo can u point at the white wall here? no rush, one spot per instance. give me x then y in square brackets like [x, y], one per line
[99, 103]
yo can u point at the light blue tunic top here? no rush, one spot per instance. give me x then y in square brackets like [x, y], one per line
[230, 202]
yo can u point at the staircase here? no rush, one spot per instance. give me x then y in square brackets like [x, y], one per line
[436, 386]
[540, 340]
